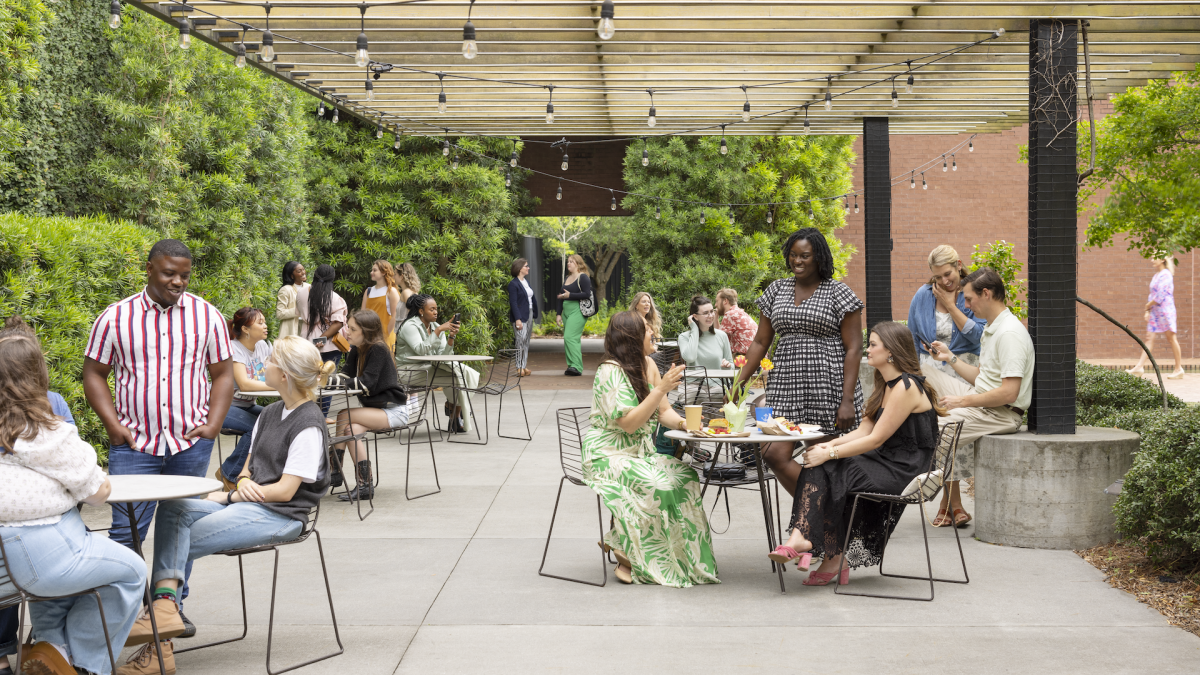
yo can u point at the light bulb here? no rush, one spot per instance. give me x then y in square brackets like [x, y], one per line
[185, 33]
[240, 60]
[999, 31]
[442, 102]
[954, 165]
[335, 116]
[564, 162]
[912, 182]
[908, 85]
[924, 185]
[267, 53]
[895, 99]
[549, 113]
[645, 157]
[321, 109]
[770, 218]
[651, 121]
[445, 148]
[396, 145]
[454, 164]
[724, 147]
[807, 128]
[379, 132]
[559, 195]
[970, 146]
[856, 204]
[512, 161]
[370, 91]
[606, 28]
[613, 205]
[658, 212]
[114, 18]
[470, 49]
[945, 167]
[703, 219]
[361, 57]
[828, 102]
[746, 111]
[507, 179]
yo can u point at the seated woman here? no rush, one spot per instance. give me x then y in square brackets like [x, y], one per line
[422, 335]
[369, 363]
[660, 533]
[704, 345]
[894, 443]
[250, 352]
[644, 305]
[286, 474]
[46, 469]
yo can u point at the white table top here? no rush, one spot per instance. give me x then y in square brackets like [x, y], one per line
[756, 436]
[153, 487]
[446, 358]
[323, 391]
[723, 374]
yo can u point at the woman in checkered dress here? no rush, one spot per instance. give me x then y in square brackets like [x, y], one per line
[819, 324]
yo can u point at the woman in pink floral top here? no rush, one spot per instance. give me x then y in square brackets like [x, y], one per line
[1160, 314]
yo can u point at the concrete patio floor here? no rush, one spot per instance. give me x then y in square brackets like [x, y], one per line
[449, 584]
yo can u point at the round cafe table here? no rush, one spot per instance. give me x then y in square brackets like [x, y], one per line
[128, 490]
[755, 441]
[456, 362]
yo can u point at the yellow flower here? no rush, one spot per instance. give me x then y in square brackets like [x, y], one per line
[766, 364]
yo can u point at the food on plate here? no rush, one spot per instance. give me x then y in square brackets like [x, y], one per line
[719, 423]
[718, 430]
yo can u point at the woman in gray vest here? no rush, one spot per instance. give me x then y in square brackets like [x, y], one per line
[284, 478]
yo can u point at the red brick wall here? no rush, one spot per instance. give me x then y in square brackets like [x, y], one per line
[985, 200]
[598, 164]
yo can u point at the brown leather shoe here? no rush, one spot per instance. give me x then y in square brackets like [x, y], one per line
[145, 661]
[44, 659]
[166, 613]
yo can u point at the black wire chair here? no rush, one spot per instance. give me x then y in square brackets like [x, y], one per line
[416, 383]
[343, 392]
[930, 487]
[309, 529]
[572, 425]
[502, 379]
[20, 598]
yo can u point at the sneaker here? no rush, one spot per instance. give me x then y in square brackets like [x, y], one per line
[145, 661]
[166, 613]
[189, 628]
[44, 659]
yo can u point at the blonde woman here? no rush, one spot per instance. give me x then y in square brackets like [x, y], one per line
[578, 286]
[286, 475]
[1160, 314]
[410, 285]
[644, 305]
[294, 278]
[384, 299]
[939, 313]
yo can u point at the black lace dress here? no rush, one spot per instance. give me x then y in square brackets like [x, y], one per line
[821, 507]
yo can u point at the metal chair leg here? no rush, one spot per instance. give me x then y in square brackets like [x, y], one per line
[245, 619]
[408, 462]
[332, 615]
[553, 516]
[500, 416]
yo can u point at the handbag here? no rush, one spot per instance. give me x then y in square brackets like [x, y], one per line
[587, 306]
[340, 343]
[927, 483]
[720, 471]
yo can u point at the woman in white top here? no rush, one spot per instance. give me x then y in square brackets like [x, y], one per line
[522, 311]
[45, 470]
[294, 278]
[409, 284]
[384, 299]
[250, 353]
[322, 314]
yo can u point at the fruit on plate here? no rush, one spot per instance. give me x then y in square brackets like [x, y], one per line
[719, 423]
[718, 430]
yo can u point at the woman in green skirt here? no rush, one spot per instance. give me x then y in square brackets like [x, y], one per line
[660, 533]
[577, 287]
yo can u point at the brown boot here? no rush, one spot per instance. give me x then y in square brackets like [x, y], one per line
[44, 659]
[170, 625]
[145, 660]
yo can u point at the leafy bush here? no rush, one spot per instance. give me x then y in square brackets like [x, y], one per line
[60, 273]
[1101, 393]
[548, 325]
[598, 323]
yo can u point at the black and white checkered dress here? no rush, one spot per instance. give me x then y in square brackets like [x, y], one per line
[810, 359]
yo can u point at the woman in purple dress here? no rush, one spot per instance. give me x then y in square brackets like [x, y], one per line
[1160, 314]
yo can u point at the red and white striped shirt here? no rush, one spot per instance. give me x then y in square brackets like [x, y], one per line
[159, 356]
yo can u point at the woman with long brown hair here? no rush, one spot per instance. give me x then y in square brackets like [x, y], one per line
[643, 304]
[660, 533]
[384, 299]
[893, 444]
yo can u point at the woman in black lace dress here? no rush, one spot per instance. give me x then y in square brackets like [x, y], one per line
[894, 443]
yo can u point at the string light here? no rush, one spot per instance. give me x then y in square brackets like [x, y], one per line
[746, 105]
[335, 115]
[446, 146]
[828, 95]
[645, 153]
[908, 86]
[612, 206]
[240, 60]
[507, 179]
[895, 96]
[944, 167]
[550, 105]
[606, 28]
[470, 48]
[953, 163]
[185, 33]
[807, 129]
[856, 202]
[658, 210]
[924, 185]
[396, 145]
[512, 161]
[321, 108]
[810, 213]
[846, 204]
[971, 146]
[703, 218]
[559, 195]
[442, 95]
[379, 131]
[114, 16]
[770, 214]
[370, 87]
[652, 120]
[566, 159]
[724, 148]
[912, 180]
[361, 57]
[454, 164]
[267, 53]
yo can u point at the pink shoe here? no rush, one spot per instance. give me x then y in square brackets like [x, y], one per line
[786, 554]
[822, 579]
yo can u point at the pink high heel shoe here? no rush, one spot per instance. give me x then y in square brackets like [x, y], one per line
[822, 579]
[786, 554]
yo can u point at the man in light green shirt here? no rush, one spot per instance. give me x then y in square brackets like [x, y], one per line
[999, 390]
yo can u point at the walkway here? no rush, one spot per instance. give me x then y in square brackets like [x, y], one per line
[449, 584]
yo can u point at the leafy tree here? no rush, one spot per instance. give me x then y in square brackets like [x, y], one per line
[21, 29]
[1148, 157]
[605, 243]
[561, 235]
[999, 256]
[698, 248]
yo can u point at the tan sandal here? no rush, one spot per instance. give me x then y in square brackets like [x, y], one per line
[961, 522]
[942, 519]
[623, 574]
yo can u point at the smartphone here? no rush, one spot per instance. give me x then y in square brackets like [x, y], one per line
[320, 342]
[456, 317]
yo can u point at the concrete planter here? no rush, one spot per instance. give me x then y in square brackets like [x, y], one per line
[866, 378]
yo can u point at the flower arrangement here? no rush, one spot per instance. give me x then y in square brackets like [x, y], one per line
[735, 410]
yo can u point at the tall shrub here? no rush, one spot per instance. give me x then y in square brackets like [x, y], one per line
[21, 31]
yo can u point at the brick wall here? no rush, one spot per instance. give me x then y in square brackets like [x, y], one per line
[598, 164]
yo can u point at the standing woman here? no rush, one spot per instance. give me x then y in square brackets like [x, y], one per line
[819, 323]
[384, 299]
[522, 311]
[322, 314]
[578, 286]
[1160, 314]
[644, 305]
[939, 312]
[294, 278]
[409, 284]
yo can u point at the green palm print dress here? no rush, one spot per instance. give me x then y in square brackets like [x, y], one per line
[658, 516]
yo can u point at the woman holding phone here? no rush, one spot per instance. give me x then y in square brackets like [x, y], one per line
[422, 335]
[939, 313]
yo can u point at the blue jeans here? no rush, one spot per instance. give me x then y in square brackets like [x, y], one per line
[336, 357]
[241, 419]
[63, 558]
[188, 529]
[123, 460]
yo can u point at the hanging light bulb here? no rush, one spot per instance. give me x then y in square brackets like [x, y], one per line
[746, 111]
[846, 205]
[361, 57]
[240, 60]
[652, 120]
[908, 85]
[856, 203]
[550, 106]
[454, 164]
[114, 16]
[645, 154]
[895, 99]
[507, 179]
[185, 33]
[321, 109]
[470, 48]
[446, 148]
[442, 102]
[924, 185]
[770, 216]
[912, 181]
[971, 146]
[396, 145]
[378, 132]
[370, 87]
[613, 205]
[564, 162]
[945, 167]
[606, 28]
[658, 211]
[703, 219]
[512, 160]
[724, 148]
[828, 102]
[953, 163]
[559, 195]
[810, 211]
[335, 116]
[828, 93]
[267, 53]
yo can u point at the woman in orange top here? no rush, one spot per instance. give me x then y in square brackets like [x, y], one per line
[384, 299]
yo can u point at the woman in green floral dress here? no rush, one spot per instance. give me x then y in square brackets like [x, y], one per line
[660, 533]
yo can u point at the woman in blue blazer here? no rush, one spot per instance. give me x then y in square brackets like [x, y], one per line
[522, 311]
[939, 312]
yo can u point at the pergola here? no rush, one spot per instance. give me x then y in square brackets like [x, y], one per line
[976, 66]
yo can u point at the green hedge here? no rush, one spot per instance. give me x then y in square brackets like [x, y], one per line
[1160, 499]
[60, 273]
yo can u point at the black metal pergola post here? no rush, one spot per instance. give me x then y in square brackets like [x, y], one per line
[877, 223]
[1053, 69]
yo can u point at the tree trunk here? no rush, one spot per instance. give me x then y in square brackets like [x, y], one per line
[606, 262]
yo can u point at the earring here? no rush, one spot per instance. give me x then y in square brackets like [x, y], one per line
[889, 359]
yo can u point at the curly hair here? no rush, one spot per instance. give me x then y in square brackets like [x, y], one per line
[406, 276]
[820, 248]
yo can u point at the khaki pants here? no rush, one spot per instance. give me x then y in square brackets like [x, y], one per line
[977, 422]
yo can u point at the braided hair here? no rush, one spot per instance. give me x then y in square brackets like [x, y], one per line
[415, 303]
[320, 300]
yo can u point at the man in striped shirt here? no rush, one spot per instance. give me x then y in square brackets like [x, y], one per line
[159, 344]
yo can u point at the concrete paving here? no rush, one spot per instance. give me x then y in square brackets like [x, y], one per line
[449, 584]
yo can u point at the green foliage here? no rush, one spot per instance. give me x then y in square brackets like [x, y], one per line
[603, 240]
[548, 326]
[21, 30]
[1100, 392]
[999, 256]
[680, 255]
[60, 273]
[453, 225]
[1148, 158]
[597, 324]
